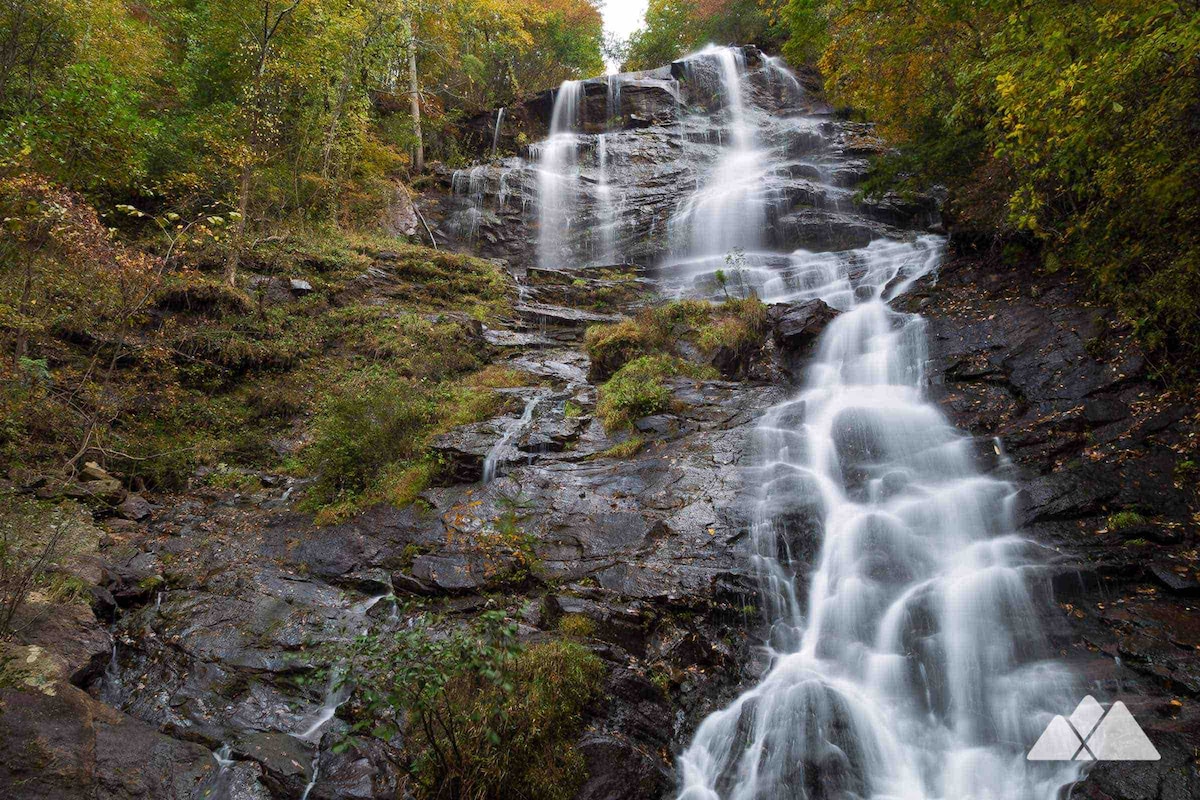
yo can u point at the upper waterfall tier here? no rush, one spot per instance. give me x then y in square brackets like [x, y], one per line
[724, 150]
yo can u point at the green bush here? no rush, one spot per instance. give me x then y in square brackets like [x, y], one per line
[1071, 126]
[482, 717]
[636, 391]
[736, 323]
[366, 426]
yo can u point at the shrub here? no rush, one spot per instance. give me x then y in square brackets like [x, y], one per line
[486, 718]
[610, 347]
[737, 324]
[33, 535]
[368, 425]
[636, 391]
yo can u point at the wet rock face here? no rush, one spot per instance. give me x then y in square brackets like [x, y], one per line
[1102, 456]
[65, 745]
[225, 603]
[795, 328]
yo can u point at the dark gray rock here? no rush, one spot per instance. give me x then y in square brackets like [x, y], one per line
[796, 326]
[83, 748]
[134, 507]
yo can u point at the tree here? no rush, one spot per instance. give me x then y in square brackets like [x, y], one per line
[263, 31]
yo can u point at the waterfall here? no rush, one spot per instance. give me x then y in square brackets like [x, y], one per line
[612, 106]
[470, 184]
[908, 658]
[606, 211]
[496, 131]
[499, 451]
[727, 212]
[558, 175]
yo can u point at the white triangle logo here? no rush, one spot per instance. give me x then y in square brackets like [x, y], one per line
[1091, 734]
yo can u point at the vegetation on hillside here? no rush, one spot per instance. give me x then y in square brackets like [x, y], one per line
[273, 107]
[688, 338]
[1063, 131]
[1066, 129]
[675, 27]
[194, 196]
[480, 715]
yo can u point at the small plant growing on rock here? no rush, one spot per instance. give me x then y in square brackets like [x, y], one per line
[1125, 519]
[481, 716]
[636, 391]
[577, 626]
[626, 449]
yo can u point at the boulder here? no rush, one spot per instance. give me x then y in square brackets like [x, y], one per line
[107, 491]
[796, 326]
[93, 472]
[134, 508]
[60, 744]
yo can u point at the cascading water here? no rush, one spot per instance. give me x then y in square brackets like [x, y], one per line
[496, 131]
[558, 176]
[501, 449]
[728, 210]
[607, 214]
[470, 184]
[908, 657]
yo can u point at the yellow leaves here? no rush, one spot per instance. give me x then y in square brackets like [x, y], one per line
[1006, 84]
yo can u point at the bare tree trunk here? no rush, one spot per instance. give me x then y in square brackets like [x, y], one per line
[21, 348]
[263, 42]
[414, 95]
[239, 226]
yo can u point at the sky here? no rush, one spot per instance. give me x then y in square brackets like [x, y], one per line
[621, 18]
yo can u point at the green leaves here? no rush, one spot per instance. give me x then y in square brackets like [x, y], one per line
[478, 712]
[1065, 122]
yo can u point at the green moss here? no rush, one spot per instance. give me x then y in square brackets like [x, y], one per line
[1125, 519]
[370, 424]
[626, 449]
[577, 626]
[619, 343]
[638, 390]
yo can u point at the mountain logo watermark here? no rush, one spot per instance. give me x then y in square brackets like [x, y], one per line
[1093, 734]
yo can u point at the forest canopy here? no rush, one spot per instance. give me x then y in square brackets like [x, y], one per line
[1064, 131]
[175, 102]
[1068, 128]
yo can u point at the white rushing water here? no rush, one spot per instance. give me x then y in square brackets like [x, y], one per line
[908, 661]
[496, 131]
[728, 210]
[499, 453]
[558, 175]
